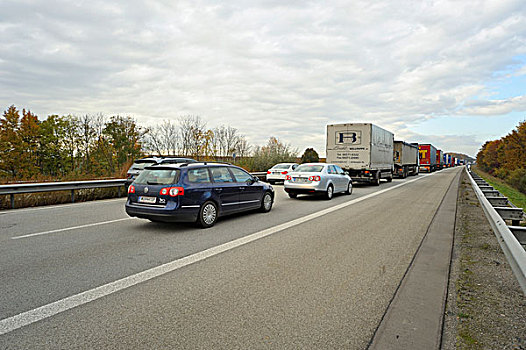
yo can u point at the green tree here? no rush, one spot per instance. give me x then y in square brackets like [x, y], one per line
[54, 155]
[310, 156]
[124, 141]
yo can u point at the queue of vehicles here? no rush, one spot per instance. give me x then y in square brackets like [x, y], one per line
[168, 189]
[369, 153]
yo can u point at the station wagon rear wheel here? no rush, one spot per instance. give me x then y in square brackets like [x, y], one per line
[207, 215]
[293, 195]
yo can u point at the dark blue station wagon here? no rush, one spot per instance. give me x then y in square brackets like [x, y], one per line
[196, 192]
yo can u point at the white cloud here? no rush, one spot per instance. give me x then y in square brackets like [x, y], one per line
[269, 68]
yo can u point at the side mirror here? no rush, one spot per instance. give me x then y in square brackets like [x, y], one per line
[346, 172]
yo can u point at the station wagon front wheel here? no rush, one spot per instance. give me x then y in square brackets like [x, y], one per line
[266, 203]
[207, 215]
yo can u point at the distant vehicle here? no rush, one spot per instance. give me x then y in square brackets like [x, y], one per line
[318, 178]
[428, 157]
[140, 164]
[279, 172]
[362, 149]
[196, 192]
[405, 159]
[440, 160]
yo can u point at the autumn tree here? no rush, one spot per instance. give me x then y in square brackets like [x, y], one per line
[10, 143]
[29, 135]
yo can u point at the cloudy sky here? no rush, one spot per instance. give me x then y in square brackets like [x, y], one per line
[452, 73]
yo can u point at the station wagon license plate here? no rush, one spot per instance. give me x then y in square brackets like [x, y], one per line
[149, 200]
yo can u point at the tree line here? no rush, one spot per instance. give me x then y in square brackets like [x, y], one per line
[95, 146]
[505, 158]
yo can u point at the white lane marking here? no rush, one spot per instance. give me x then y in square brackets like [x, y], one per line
[70, 228]
[26, 318]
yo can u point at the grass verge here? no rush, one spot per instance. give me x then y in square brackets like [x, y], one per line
[515, 196]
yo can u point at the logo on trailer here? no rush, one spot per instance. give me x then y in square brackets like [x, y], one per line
[348, 137]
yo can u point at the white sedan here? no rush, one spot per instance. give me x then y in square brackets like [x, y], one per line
[279, 171]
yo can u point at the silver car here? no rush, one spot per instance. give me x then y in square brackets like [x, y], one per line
[317, 178]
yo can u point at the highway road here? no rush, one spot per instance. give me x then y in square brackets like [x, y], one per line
[310, 274]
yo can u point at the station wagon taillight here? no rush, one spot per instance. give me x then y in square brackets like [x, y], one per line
[131, 189]
[172, 191]
[284, 172]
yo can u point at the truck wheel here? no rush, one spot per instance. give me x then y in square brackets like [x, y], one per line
[349, 188]
[329, 193]
[390, 179]
[376, 181]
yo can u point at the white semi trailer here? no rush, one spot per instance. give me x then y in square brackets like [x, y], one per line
[405, 159]
[362, 149]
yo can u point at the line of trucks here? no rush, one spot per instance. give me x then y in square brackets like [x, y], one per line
[369, 153]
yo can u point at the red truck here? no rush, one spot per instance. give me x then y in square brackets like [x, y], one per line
[428, 157]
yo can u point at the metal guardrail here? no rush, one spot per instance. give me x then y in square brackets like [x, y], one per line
[13, 189]
[509, 243]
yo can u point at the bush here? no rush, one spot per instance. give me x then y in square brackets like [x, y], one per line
[517, 179]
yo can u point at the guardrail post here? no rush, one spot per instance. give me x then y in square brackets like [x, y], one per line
[72, 196]
[12, 201]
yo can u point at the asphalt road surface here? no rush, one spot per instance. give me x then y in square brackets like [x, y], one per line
[311, 273]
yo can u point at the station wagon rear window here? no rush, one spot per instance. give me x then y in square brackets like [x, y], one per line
[309, 168]
[158, 177]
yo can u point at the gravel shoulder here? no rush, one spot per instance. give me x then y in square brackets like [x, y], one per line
[486, 308]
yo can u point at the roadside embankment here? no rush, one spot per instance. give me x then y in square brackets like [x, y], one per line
[486, 307]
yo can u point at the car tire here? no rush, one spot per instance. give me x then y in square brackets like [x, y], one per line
[266, 202]
[271, 182]
[349, 188]
[207, 215]
[329, 193]
[293, 195]
[390, 179]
